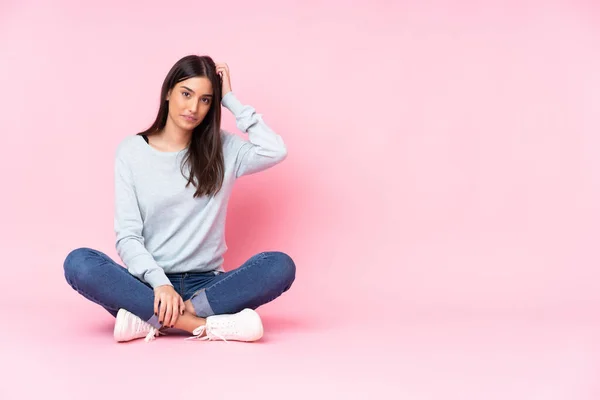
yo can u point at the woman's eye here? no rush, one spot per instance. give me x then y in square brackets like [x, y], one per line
[185, 94]
[206, 101]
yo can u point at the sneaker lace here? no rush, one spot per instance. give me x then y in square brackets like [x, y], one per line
[152, 334]
[214, 331]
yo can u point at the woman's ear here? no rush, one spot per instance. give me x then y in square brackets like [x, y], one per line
[168, 95]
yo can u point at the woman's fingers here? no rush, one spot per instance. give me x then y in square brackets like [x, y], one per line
[175, 315]
[222, 69]
[168, 306]
[162, 308]
[156, 302]
[168, 311]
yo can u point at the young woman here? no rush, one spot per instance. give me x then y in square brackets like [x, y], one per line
[172, 185]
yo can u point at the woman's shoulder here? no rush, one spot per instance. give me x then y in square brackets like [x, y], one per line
[128, 144]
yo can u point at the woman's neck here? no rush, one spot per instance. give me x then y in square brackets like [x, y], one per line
[171, 138]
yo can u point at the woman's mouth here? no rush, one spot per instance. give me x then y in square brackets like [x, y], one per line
[189, 118]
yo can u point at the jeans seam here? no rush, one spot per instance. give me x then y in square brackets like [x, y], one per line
[242, 268]
[88, 296]
[85, 294]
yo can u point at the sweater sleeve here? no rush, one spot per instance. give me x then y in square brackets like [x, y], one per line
[128, 229]
[265, 148]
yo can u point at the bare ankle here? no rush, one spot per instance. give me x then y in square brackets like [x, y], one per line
[189, 321]
[189, 307]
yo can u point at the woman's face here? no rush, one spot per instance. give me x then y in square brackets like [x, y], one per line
[189, 102]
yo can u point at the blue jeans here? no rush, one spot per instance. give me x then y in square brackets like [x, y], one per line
[259, 280]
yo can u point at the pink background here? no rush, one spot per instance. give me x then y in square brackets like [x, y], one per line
[440, 197]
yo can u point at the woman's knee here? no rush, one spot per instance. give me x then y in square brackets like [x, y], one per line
[281, 267]
[79, 264]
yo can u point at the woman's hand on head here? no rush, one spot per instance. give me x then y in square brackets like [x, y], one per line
[223, 70]
[168, 305]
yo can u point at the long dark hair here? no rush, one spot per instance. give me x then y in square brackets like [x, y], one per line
[205, 153]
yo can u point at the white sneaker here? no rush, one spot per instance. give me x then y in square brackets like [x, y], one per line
[244, 326]
[129, 326]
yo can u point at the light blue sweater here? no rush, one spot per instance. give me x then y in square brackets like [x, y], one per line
[160, 227]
